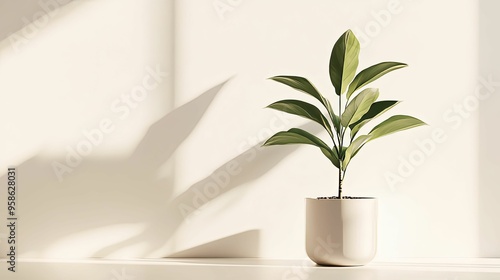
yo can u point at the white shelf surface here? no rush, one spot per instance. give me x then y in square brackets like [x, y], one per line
[251, 269]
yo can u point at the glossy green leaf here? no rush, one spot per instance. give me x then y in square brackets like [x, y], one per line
[344, 61]
[394, 124]
[303, 109]
[353, 149]
[377, 109]
[359, 106]
[300, 136]
[359, 109]
[302, 84]
[372, 73]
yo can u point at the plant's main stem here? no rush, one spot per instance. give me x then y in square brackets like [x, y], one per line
[340, 183]
[341, 143]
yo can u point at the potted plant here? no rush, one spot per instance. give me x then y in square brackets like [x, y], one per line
[342, 230]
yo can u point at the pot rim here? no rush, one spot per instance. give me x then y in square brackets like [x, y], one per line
[344, 199]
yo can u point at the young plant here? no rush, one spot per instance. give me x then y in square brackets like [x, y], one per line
[356, 111]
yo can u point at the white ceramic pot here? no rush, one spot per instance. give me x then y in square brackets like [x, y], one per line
[341, 232]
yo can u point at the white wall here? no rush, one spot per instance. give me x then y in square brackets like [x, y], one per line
[197, 183]
[77, 69]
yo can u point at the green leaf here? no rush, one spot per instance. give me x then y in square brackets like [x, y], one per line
[377, 109]
[353, 149]
[394, 124]
[302, 84]
[359, 106]
[303, 109]
[299, 136]
[372, 73]
[336, 122]
[344, 61]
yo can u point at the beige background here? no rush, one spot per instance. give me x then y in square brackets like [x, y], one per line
[182, 175]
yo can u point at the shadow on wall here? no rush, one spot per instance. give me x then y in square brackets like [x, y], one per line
[489, 150]
[241, 245]
[67, 212]
[252, 164]
[15, 15]
[86, 216]
[81, 202]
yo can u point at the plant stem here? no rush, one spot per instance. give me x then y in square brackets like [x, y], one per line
[340, 183]
[341, 142]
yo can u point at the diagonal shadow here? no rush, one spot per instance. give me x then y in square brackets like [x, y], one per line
[174, 214]
[253, 164]
[15, 15]
[250, 165]
[89, 202]
[241, 245]
[158, 146]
